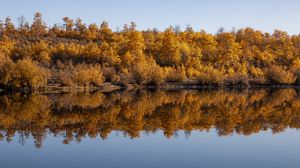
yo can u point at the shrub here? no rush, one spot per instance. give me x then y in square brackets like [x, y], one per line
[277, 75]
[192, 73]
[95, 74]
[126, 78]
[63, 74]
[29, 73]
[6, 70]
[175, 75]
[140, 72]
[110, 74]
[296, 73]
[256, 72]
[41, 52]
[147, 73]
[211, 77]
[237, 80]
[157, 75]
[65, 78]
[81, 75]
[85, 75]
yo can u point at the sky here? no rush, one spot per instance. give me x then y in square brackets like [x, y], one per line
[210, 15]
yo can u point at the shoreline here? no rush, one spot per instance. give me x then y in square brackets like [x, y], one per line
[109, 87]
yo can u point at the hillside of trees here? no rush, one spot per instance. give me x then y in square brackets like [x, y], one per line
[75, 54]
[76, 116]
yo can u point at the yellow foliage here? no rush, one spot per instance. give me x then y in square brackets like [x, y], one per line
[149, 56]
[175, 75]
[80, 75]
[28, 73]
[278, 75]
[6, 70]
[211, 76]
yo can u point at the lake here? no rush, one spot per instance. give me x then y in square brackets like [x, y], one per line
[153, 128]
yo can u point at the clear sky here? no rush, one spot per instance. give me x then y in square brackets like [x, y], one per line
[209, 15]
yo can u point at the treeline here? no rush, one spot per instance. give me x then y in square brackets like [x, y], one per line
[76, 54]
[76, 116]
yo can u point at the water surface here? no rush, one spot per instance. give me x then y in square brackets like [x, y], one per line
[195, 128]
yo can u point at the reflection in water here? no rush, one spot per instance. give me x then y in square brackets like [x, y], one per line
[77, 115]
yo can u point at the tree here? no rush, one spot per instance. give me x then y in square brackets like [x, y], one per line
[133, 42]
[282, 48]
[169, 54]
[91, 33]
[106, 34]
[38, 27]
[9, 26]
[79, 26]
[41, 52]
[68, 23]
[23, 25]
[151, 56]
[228, 51]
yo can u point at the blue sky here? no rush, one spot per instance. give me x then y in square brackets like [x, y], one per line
[209, 15]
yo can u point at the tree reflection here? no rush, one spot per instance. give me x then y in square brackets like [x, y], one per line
[75, 116]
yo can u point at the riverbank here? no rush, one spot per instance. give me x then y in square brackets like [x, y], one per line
[110, 87]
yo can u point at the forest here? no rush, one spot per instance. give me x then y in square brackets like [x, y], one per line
[76, 54]
[76, 116]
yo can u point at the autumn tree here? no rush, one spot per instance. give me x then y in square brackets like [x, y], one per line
[91, 33]
[146, 57]
[228, 51]
[109, 45]
[169, 54]
[133, 43]
[68, 23]
[38, 27]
